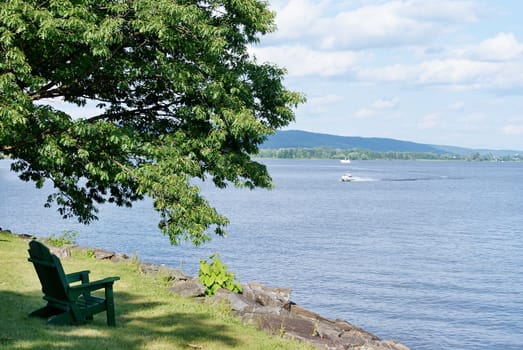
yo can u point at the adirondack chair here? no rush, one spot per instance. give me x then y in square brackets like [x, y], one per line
[68, 296]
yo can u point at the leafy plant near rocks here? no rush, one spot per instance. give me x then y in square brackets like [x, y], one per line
[214, 276]
[90, 253]
[65, 238]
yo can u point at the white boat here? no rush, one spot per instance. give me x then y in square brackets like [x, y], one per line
[345, 161]
[347, 177]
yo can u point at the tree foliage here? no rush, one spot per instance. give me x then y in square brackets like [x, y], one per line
[177, 96]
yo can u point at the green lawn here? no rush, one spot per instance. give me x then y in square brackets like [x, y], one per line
[147, 316]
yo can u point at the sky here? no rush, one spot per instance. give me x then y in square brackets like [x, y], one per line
[445, 72]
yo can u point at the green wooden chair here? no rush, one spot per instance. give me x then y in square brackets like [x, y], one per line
[69, 302]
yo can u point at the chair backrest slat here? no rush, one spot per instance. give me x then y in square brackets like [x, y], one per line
[49, 270]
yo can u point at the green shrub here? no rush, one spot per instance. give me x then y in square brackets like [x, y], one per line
[65, 238]
[214, 276]
[90, 253]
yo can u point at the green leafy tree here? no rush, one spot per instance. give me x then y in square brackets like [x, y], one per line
[177, 94]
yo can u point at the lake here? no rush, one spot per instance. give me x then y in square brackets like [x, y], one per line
[427, 253]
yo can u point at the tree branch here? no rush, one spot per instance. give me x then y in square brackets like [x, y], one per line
[43, 91]
[114, 116]
[49, 93]
[6, 148]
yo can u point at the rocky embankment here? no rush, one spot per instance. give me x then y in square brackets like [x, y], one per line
[270, 309]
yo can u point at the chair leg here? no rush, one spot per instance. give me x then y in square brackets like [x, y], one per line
[111, 319]
[109, 303]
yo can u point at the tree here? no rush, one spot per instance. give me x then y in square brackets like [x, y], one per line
[177, 94]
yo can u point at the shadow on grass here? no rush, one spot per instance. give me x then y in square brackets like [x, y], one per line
[135, 328]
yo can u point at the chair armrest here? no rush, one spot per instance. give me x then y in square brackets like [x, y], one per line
[90, 286]
[78, 276]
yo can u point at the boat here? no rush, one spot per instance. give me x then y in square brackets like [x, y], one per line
[347, 177]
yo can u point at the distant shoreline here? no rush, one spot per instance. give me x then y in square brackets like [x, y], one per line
[325, 153]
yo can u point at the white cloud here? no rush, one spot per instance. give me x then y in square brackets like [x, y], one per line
[387, 24]
[325, 41]
[321, 104]
[474, 119]
[502, 47]
[386, 103]
[468, 74]
[377, 107]
[296, 17]
[371, 26]
[457, 106]
[391, 73]
[440, 11]
[302, 61]
[363, 113]
[429, 121]
[512, 129]
[456, 73]
[325, 99]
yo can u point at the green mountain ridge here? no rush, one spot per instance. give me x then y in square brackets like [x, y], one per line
[306, 139]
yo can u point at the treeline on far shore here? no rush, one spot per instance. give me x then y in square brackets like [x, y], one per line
[357, 154]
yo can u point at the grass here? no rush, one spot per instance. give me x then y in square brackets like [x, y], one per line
[147, 315]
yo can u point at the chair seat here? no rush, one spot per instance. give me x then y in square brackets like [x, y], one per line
[85, 302]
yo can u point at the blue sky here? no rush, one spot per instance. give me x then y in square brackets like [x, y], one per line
[446, 72]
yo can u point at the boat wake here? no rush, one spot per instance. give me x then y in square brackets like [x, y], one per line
[407, 179]
[424, 178]
[361, 179]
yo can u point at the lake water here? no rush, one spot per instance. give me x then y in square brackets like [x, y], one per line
[427, 253]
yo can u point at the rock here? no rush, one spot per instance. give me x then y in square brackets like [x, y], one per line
[188, 288]
[60, 252]
[117, 257]
[348, 329]
[325, 330]
[300, 312]
[171, 274]
[289, 327]
[266, 296]
[394, 345]
[238, 302]
[271, 310]
[102, 254]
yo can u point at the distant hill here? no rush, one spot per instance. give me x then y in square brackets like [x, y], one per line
[306, 139]
[469, 151]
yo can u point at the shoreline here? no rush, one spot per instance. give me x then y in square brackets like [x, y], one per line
[270, 309]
